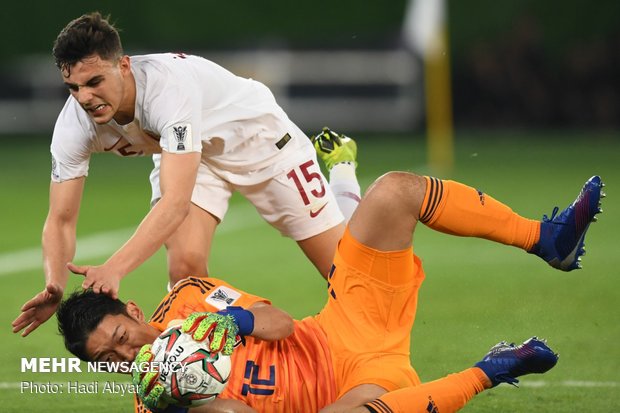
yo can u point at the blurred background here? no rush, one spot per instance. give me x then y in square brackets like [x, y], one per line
[519, 98]
[515, 63]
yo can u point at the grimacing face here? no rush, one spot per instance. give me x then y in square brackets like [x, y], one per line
[104, 88]
[119, 337]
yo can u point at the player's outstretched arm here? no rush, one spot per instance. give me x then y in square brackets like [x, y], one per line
[38, 309]
[58, 241]
[177, 179]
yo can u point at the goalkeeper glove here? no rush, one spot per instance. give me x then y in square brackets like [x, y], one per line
[221, 328]
[149, 389]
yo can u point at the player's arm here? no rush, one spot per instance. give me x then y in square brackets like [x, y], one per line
[58, 240]
[270, 323]
[177, 180]
[222, 328]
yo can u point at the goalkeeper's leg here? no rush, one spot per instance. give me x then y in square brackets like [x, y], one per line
[398, 200]
[503, 364]
[395, 203]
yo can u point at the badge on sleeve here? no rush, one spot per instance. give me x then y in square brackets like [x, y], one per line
[222, 297]
[179, 138]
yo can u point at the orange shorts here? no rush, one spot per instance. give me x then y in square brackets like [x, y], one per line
[372, 300]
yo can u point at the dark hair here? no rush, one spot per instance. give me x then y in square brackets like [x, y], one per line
[90, 34]
[80, 314]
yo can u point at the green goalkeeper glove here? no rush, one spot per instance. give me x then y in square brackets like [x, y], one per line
[222, 328]
[149, 389]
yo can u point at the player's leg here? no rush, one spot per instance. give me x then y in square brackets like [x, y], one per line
[300, 204]
[387, 216]
[320, 248]
[458, 209]
[339, 154]
[448, 394]
[189, 247]
[503, 364]
[392, 206]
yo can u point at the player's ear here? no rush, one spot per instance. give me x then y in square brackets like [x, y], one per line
[134, 311]
[125, 64]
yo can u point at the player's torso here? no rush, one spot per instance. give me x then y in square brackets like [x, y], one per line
[236, 122]
[291, 375]
[126, 140]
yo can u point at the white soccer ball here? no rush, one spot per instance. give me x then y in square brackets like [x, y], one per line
[191, 374]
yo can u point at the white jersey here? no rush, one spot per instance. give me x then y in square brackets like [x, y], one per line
[185, 104]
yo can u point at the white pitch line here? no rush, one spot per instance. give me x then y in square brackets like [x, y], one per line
[9, 385]
[570, 383]
[105, 243]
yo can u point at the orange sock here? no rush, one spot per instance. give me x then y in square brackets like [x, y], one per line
[458, 209]
[445, 395]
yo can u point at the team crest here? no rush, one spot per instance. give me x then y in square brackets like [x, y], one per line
[222, 297]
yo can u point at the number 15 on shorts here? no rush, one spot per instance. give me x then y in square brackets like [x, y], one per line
[308, 181]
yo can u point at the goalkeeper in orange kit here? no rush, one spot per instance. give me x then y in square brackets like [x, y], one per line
[354, 355]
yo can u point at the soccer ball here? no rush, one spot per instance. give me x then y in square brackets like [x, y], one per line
[190, 373]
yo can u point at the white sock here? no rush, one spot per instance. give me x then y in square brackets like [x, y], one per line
[346, 189]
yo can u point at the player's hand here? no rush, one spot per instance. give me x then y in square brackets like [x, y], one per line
[38, 310]
[221, 329]
[97, 278]
[147, 384]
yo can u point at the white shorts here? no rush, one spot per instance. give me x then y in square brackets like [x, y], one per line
[297, 200]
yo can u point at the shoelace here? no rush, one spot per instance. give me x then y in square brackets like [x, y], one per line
[553, 214]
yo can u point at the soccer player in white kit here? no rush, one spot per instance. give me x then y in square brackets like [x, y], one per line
[211, 133]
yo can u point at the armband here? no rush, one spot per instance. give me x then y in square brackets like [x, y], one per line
[243, 318]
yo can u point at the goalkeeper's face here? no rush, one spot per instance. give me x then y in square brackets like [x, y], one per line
[119, 337]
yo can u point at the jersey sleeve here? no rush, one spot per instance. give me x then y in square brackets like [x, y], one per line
[72, 143]
[173, 104]
[194, 294]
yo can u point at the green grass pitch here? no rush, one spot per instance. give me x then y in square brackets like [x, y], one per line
[476, 293]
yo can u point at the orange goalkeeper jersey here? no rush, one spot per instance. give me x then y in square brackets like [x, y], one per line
[290, 375]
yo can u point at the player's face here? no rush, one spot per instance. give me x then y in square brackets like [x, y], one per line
[102, 87]
[118, 338]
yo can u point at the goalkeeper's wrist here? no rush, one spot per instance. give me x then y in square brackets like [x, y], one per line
[243, 318]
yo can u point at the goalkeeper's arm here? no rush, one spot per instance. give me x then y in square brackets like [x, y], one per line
[270, 323]
[222, 328]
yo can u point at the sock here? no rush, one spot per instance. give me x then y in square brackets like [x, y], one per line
[458, 209]
[346, 189]
[447, 394]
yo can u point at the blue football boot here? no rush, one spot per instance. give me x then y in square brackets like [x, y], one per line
[505, 362]
[562, 236]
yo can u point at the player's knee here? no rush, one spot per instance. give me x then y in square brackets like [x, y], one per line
[400, 188]
[187, 264]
